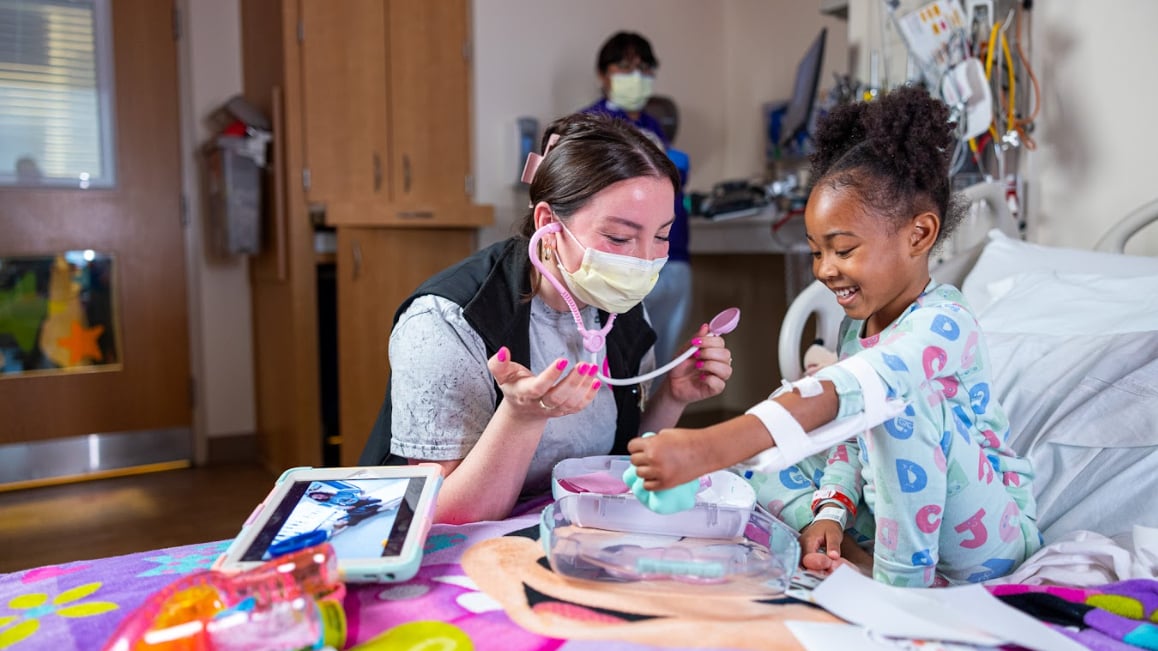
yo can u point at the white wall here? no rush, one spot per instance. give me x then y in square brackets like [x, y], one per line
[719, 61]
[1094, 161]
[220, 316]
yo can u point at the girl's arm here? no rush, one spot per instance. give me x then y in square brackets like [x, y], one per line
[681, 455]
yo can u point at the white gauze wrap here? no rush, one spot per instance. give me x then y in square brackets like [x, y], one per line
[793, 444]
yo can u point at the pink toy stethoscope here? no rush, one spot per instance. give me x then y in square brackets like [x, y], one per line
[594, 340]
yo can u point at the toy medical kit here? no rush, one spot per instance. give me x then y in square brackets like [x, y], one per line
[597, 529]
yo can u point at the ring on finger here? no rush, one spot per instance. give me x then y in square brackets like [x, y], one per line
[545, 405]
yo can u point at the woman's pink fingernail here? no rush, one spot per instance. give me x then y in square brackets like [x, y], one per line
[700, 364]
[696, 354]
[582, 368]
[561, 365]
[698, 341]
[502, 354]
[596, 384]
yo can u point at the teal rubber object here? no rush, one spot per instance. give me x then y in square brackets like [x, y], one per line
[671, 500]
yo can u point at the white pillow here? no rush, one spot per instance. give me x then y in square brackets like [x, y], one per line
[1084, 410]
[1055, 303]
[1004, 256]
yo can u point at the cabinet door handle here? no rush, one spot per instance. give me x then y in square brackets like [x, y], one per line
[357, 251]
[415, 214]
[377, 172]
[405, 173]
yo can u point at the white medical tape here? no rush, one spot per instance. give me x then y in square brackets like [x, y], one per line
[786, 432]
[792, 446]
[809, 387]
[872, 388]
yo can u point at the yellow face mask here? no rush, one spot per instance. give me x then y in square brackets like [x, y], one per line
[611, 282]
[630, 90]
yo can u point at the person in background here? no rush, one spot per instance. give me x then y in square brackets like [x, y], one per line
[493, 377]
[935, 493]
[626, 67]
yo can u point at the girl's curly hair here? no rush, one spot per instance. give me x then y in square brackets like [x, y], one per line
[893, 153]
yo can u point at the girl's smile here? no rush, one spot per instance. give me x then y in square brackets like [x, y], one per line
[876, 265]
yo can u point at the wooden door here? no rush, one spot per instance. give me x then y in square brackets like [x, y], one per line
[344, 100]
[138, 222]
[430, 103]
[377, 269]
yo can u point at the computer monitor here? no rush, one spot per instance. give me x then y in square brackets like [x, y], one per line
[804, 92]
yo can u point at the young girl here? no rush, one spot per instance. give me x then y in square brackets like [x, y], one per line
[491, 376]
[935, 492]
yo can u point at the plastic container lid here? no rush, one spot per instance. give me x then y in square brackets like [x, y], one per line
[602, 501]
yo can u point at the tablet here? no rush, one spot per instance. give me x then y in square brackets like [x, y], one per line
[376, 518]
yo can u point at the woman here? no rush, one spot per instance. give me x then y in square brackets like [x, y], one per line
[492, 377]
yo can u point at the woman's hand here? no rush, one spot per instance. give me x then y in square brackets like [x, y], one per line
[705, 373]
[554, 392]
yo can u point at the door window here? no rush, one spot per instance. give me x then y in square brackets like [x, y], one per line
[56, 93]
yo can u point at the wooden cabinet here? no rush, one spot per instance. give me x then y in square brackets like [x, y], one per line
[370, 101]
[385, 89]
[379, 268]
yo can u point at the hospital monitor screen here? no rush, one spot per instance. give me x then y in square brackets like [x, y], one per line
[804, 92]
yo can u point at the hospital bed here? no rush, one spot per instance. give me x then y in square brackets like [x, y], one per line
[1073, 342]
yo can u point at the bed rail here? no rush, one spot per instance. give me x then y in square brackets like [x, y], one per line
[1114, 241]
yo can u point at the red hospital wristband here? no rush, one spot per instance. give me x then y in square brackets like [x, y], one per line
[831, 494]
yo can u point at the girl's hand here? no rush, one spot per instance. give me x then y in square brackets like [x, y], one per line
[705, 373]
[671, 457]
[820, 546]
[554, 392]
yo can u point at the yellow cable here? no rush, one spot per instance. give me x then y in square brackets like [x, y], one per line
[1012, 82]
[989, 48]
[989, 51]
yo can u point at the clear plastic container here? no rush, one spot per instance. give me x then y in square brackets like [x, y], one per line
[723, 503]
[760, 559]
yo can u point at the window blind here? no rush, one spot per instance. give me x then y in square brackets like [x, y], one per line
[54, 109]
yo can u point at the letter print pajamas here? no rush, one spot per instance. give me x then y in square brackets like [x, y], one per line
[947, 500]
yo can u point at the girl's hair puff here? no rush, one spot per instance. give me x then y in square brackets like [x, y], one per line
[893, 153]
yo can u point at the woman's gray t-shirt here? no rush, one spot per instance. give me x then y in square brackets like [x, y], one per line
[443, 395]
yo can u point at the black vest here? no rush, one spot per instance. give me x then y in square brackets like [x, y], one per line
[492, 287]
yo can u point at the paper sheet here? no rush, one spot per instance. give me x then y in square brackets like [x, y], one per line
[827, 636]
[966, 614]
